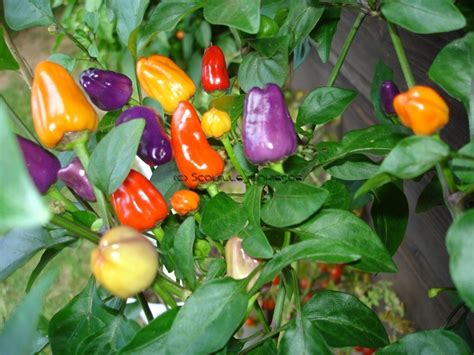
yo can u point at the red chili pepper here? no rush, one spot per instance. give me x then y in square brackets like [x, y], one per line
[276, 281]
[197, 162]
[214, 70]
[138, 203]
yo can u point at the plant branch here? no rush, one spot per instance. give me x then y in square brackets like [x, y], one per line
[265, 338]
[233, 158]
[146, 308]
[75, 229]
[18, 121]
[261, 317]
[402, 57]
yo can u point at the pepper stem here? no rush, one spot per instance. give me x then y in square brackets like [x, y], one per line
[54, 194]
[233, 158]
[75, 229]
[146, 308]
[402, 57]
[81, 151]
[278, 167]
[159, 233]
[212, 189]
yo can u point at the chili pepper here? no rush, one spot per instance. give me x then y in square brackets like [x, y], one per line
[185, 201]
[388, 91]
[196, 160]
[138, 203]
[268, 133]
[61, 113]
[268, 27]
[215, 123]
[74, 175]
[155, 145]
[422, 109]
[163, 80]
[239, 263]
[42, 166]
[125, 262]
[107, 89]
[214, 70]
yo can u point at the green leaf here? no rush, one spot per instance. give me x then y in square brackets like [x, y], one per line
[464, 168]
[217, 268]
[324, 32]
[344, 321]
[339, 197]
[460, 244]
[292, 203]
[129, 15]
[411, 157]
[268, 47]
[29, 210]
[433, 342]
[113, 157]
[24, 14]
[390, 216]
[255, 242]
[323, 105]
[23, 244]
[232, 104]
[431, 196]
[107, 122]
[7, 62]
[248, 168]
[424, 16]
[167, 15]
[63, 59]
[183, 251]
[222, 217]
[151, 338]
[353, 168]
[252, 203]
[259, 71]
[19, 334]
[83, 316]
[382, 73]
[352, 232]
[331, 251]
[166, 180]
[208, 318]
[303, 337]
[241, 14]
[203, 34]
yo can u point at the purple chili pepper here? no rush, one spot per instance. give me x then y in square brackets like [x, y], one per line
[107, 89]
[74, 175]
[42, 166]
[388, 91]
[268, 132]
[155, 146]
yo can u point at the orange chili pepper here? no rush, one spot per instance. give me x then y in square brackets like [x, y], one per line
[196, 160]
[164, 81]
[61, 112]
[422, 109]
[138, 203]
[185, 201]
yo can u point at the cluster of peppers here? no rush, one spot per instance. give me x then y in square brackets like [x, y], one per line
[63, 117]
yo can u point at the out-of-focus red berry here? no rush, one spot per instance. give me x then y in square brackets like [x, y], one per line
[268, 304]
[308, 297]
[180, 35]
[276, 281]
[304, 283]
[250, 322]
[324, 284]
[323, 267]
[336, 273]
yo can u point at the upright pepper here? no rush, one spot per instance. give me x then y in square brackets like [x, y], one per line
[107, 89]
[74, 175]
[164, 81]
[422, 109]
[268, 133]
[155, 145]
[215, 123]
[388, 91]
[185, 201]
[196, 160]
[239, 263]
[61, 112]
[138, 203]
[42, 166]
[214, 70]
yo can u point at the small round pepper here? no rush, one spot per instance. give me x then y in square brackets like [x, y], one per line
[214, 74]
[239, 263]
[61, 112]
[215, 123]
[185, 201]
[422, 109]
[125, 262]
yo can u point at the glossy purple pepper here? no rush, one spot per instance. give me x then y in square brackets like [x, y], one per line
[268, 132]
[107, 89]
[42, 166]
[388, 91]
[155, 145]
[74, 175]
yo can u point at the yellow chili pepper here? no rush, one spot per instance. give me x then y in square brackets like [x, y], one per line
[422, 109]
[164, 81]
[61, 112]
[215, 123]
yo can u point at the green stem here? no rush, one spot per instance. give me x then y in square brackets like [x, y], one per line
[197, 217]
[278, 167]
[233, 158]
[159, 233]
[265, 338]
[75, 229]
[345, 49]
[402, 57]
[167, 299]
[296, 292]
[146, 308]
[446, 185]
[169, 285]
[287, 239]
[261, 317]
[54, 194]
[456, 155]
[81, 151]
[212, 189]
[279, 307]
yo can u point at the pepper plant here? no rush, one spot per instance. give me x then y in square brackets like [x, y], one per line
[236, 189]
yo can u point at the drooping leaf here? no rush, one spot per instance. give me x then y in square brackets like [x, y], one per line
[166, 179]
[353, 168]
[324, 32]
[24, 14]
[464, 168]
[241, 14]
[255, 242]
[183, 251]
[129, 15]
